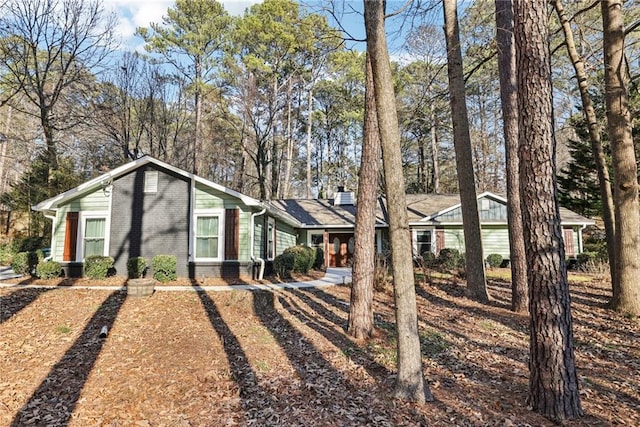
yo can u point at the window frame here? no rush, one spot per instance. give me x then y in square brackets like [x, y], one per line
[151, 181]
[417, 242]
[219, 213]
[271, 238]
[82, 227]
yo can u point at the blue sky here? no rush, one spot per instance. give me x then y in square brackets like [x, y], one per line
[136, 13]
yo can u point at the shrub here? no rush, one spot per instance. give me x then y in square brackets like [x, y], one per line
[585, 258]
[98, 266]
[450, 259]
[303, 258]
[429, 259]
[27, 244]
[136, 267]
[24, 262]
[318, 262]
[49, 270]
[283, 264]
[494, 260]
[6, 253]
[164, 268]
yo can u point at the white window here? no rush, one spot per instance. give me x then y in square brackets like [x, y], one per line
[151, 182]
[271, 238]
[93, 235]
[422, 242]
[208, 236]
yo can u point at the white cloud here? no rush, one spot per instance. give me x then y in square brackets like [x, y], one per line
[135, 13]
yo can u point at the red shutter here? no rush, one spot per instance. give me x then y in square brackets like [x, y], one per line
[231, 233]
[569, 247]
[439, 241]
[70, 237]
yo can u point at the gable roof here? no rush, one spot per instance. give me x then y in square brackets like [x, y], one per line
[106, 178]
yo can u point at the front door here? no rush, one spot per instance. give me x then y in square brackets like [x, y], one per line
[341, 246]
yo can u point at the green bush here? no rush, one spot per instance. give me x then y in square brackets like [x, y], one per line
[318, 262]
[27, 244]
[429, 259]
[6, 253]
[24, 262]
[283, 264]
[450, 259]
[494, 260]
[303, 258]
[164, 268]
[98, 266]
[585, 258]
[136, 267]
[49, 270]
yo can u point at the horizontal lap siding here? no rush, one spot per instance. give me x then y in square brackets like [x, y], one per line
[285, 237]
[454, 239]
[209, 198]
[97, 201]
[495, 240]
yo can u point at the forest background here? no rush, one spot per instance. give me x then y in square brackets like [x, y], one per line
[269, 103]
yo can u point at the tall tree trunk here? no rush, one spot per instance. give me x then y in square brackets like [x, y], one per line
[435, 150]
[289, 138]
[595, 137]
[309, 122]
[410, 383]
[3, 151]
[553, 382]
[361, 308]
[626, 290]
[509, 98]
[476, 281]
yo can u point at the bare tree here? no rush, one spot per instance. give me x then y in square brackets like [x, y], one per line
[509, 97]
[361, 308]
[476, 281]
[595, 136]
[410, 383]
[626, 296]
[553, 382]
[47, 50]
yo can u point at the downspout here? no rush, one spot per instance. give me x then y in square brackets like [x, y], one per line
[253, 231]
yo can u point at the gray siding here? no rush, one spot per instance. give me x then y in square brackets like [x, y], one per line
[149, 224]
[285, 237]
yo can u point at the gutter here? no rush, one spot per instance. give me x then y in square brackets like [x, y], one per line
[253, 231]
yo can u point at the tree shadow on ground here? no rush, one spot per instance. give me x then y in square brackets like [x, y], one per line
[254, 399]
[18, 300]
[54, 401]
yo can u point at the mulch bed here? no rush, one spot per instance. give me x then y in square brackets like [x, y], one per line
[283, 358]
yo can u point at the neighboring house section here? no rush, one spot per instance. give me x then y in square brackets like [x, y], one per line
[147, 208]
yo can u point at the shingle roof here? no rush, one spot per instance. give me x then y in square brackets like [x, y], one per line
[322, 212]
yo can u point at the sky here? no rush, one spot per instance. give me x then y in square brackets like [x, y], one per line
[140, 13]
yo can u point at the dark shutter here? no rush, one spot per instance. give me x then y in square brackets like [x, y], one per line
[231, 233]
[70, 237]
[569, 247]
[439, 241]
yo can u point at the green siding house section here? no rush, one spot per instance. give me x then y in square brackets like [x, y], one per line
[96, 201]
[285, 237]
[495, 240]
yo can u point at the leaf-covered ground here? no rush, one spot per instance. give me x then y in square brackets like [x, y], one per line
[282, 358]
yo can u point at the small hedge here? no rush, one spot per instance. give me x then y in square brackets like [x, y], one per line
[494, 260]
[49, 270]
[136, 267]
[98, 266]
[164, 268]
[303, 258]
[450, 259]
[24, 262]
[283, 264]
[318, 263]
[429, 259]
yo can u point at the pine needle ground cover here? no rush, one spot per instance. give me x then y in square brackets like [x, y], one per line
[282, 358]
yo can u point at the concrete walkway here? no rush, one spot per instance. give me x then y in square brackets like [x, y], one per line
[334, 276]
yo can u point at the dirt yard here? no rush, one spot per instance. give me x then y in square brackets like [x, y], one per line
[282, 359]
